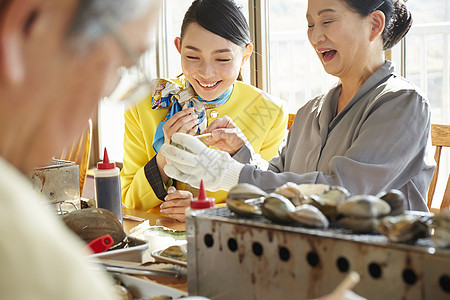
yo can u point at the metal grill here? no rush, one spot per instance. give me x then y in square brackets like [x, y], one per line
[234, 258]
[59, 185]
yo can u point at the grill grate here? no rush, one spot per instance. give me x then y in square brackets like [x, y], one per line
[334, 229]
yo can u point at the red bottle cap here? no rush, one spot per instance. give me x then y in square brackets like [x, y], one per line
[202, 201]
[106, 164]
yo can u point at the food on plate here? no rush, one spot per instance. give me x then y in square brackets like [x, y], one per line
[175, 252]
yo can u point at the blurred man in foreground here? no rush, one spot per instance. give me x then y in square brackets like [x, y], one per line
[57, 59]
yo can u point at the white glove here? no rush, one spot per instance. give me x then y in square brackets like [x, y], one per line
[190, 161]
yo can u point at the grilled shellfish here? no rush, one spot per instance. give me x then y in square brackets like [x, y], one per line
[309, 216]
[276, 208]
[405, 228]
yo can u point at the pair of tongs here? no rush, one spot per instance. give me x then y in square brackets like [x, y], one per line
[133, 268]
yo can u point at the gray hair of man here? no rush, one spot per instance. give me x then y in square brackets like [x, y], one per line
[89, 21]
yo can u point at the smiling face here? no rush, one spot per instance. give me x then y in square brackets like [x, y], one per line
[341, 38]
[210, 63]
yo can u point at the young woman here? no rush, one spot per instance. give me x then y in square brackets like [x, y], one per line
[214, 45]
[368, 134]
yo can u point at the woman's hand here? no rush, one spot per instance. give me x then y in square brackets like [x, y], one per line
[185, 121]
[176, 203]
[226, 135]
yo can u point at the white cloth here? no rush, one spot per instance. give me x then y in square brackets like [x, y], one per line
[196, 162]
[39, 257]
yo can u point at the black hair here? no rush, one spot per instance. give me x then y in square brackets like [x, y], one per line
[221, 17]
[398, 17]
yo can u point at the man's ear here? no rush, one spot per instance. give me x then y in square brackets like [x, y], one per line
[247, 53]
[15, 22]
[177, 43]
[377, 22]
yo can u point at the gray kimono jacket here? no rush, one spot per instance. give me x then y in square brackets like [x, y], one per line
[377, 142]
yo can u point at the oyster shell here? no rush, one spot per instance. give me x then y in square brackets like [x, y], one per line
[359, 225]
[291, 191]
[245, 200]
[364, 206]
[307, 190]
[441, 224]
[404, 228]
[310, 216]
[245, 207]
[327, 202]
[91, 223]
[396, 200]
[276, 208]
[246, 191]
[180, 146]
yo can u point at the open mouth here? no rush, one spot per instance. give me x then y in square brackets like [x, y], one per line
[209, 85]
[328, 55]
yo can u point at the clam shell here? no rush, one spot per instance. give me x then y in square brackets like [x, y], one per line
[327, 203]
[364, 206]
[334, 196]
[359, 225]
[291, 191]
[441, 224]
[396, 200]
[246, 191]
[310, 216]
[180, 146]
[276, 208]
[307, 190]
[403, 228]
[245, 207]
[91, 223]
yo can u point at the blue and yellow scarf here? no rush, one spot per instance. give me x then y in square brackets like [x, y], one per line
[167, 94]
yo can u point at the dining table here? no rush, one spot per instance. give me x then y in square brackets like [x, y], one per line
[133, 217]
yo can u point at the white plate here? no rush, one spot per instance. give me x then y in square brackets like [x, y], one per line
[157, 254]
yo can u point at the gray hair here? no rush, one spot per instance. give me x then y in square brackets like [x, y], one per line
[88, 24]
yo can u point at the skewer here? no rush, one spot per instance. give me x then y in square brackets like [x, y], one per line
[203, 135]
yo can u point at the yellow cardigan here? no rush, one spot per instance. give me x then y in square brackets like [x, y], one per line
[260, 116]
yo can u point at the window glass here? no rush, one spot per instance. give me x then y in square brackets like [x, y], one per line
[428, 53]
[427, 47]
[296, 73]
[111, 114]
[175, 10]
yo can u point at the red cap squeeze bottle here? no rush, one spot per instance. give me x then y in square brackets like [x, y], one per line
[106, 164]
[202, 201]
[107, 186]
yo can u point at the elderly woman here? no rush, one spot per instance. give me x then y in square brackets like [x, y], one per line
[369, 133]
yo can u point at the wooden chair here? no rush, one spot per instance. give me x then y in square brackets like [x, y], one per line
[79, 153]
[290, 121]
[440, 137]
